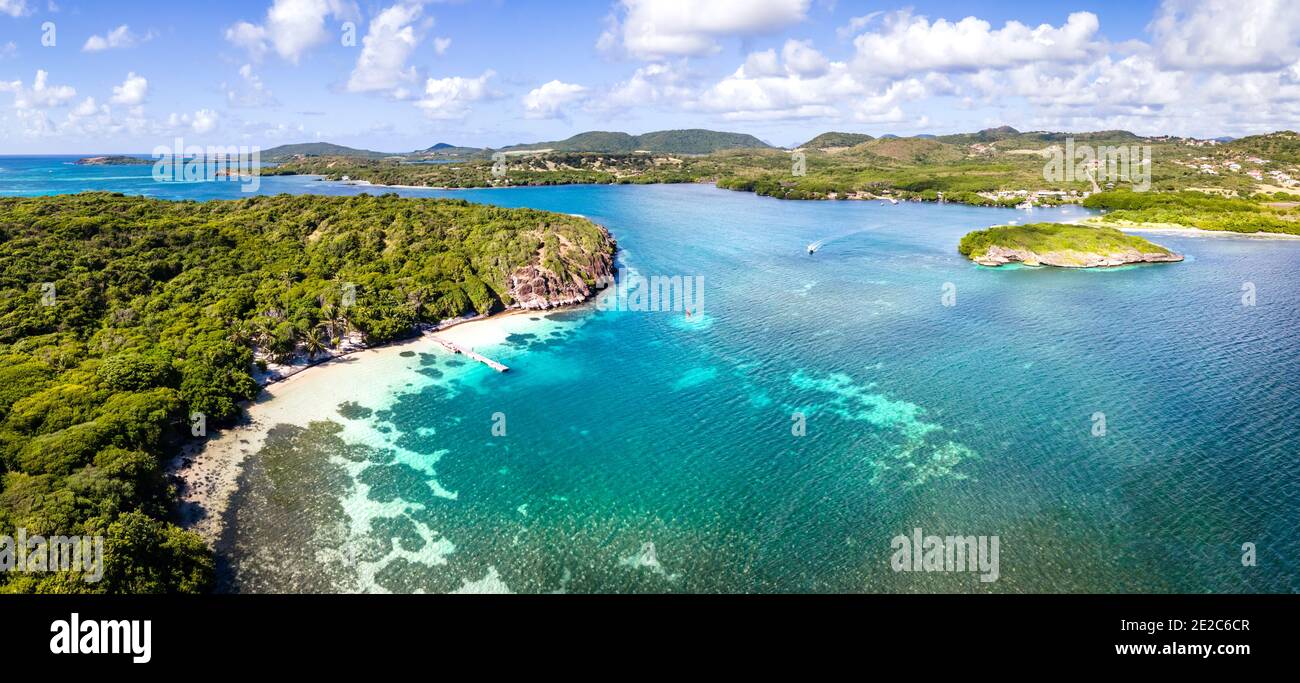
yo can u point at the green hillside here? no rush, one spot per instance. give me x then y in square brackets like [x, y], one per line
[319, 149]
[120, 317]
[836, 139]
[689, 141]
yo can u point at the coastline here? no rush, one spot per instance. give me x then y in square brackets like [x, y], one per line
[207, 470]
[1174, 229]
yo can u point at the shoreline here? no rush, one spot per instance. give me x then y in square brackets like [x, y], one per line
[1173, 229]
[206, 471]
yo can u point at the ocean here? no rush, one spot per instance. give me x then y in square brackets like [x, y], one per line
[1119, 430]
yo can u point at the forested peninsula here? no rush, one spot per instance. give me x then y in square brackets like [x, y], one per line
[121, 318]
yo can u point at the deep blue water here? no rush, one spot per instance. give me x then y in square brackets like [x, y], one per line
[628, 429]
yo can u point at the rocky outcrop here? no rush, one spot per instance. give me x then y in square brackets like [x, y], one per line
[998, 255]
[537, 287]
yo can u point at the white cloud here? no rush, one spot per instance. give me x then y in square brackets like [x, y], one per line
[911, 44]
[649, 85]
[8, 50]
[552, 100]
[14, 8]
[800, 83]
[132, 91]
[856, 24]
[250, 92]
[120, 37]
[801, 59]
[450, 98]
[250, 37]
[440, 45]
[388, 44]
[86, 108]
[1259, 35]
[651, 29]
[41, 94]
[291, 27]
[201, 121]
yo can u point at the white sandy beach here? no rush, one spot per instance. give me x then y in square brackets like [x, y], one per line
[208, 470]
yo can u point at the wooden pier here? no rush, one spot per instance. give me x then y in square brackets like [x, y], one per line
[456, 348]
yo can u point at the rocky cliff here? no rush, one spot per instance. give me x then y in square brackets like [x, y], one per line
[997, 256]
[563, 273]
[1061, 245]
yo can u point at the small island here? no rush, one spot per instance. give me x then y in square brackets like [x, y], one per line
[113, 160]
[1061, 245]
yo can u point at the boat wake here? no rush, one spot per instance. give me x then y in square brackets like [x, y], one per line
[814, 246]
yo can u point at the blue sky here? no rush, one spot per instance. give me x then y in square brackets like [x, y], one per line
[124, 77]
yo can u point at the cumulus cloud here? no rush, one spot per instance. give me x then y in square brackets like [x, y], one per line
[250, 91]
[120, 37]
[291, 27]
[450, 98]
[389, 42]
[132, 91]
[201, 121]
[88, 107]
[797, 83]
[14, 8]
[653, 29]
[41, 94]
[552, 100]
[913, 44]
[1260, 35]
[659, 83]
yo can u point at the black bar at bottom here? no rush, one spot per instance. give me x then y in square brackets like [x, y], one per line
[928, 630]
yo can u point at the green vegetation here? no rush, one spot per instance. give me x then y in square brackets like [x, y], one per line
[1043, 239]
[319, 149]
[834, 140]
[115, 160]
[1197, 210]
[122, 316]
[968, 168]
[689, 141]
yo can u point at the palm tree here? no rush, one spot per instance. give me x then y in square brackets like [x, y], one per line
[314, 342]
[328, 312]
[261, 332]
[240, 332]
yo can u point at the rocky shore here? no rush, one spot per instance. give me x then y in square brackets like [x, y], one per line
[1061, 245]
[998, 256]
[535, 287]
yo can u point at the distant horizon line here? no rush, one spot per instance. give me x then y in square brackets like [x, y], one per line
[774, 146]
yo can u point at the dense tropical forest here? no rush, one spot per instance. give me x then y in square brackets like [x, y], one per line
[121, 317]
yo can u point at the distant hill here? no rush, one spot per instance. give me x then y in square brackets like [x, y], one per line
[986, 135]
[1011, 136]
[912, 150]
[690, 141]
[319, 149]
[443, 149]
[1283, 145]
[835, 139]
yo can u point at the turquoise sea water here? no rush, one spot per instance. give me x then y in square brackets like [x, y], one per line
[649, 452]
